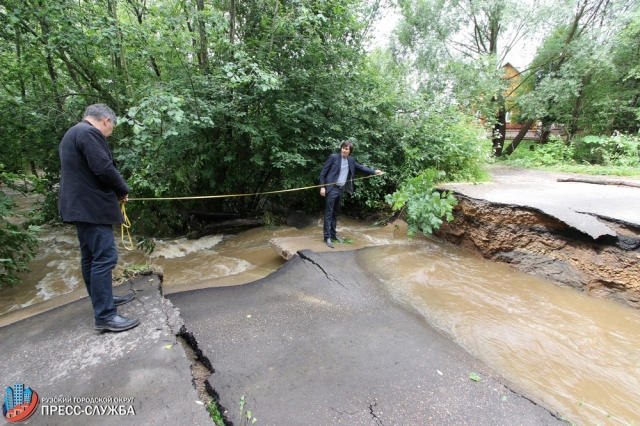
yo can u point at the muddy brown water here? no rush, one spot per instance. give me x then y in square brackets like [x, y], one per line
[579, 355]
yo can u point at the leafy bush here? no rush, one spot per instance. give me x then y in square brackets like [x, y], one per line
[446, 139]
[615, 150]
[618, 154]
[425, 206]
[553, 152]
[532, 154]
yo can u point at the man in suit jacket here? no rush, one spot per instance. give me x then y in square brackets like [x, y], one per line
[337, 174]
[90, 189]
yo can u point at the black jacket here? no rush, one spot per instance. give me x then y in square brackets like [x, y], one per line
[331, 172]
[90, 184]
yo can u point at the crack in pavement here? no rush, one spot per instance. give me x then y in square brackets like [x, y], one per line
[378, 421]
[341, 412]
[201, 371]
[193, 343]
[329, 276]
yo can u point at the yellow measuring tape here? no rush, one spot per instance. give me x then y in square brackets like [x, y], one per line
[127, 223]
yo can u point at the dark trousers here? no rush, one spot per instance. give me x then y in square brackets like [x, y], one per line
[99, 257]
[331, 212]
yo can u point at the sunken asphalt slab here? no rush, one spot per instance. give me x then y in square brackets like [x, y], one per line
[59, 354]
[575, 203]
[320, 342]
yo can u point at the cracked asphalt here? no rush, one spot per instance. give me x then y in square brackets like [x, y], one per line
[59, 354]
[320, 342]
[576, 204]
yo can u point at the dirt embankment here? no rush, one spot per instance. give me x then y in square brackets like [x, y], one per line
[541, 245]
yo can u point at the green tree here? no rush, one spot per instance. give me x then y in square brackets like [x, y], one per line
[214, 98]
[212, 101]
[579, 79]
[458, 49]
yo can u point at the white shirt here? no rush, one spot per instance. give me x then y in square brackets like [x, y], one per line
[344, 172]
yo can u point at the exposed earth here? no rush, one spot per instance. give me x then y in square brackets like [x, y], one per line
[583, 235]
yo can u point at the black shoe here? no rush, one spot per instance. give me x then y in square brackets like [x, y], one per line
[116, 323]
[338, 239]
[329, 243]
[121, 300]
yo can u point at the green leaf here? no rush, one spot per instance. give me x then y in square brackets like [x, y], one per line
[475, 377]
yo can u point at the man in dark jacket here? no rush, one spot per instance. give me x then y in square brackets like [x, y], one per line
[90, 189]
[337, 174]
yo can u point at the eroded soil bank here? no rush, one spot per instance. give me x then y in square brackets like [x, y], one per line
[539, 244]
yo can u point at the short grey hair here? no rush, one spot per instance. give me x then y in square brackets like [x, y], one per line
[100, 111]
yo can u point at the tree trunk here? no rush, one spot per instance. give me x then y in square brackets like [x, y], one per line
[544, 135]
[52, 71]
[612, 120]
[228, 225]
[121, 60]
[187, 16]
[602, 182]
[87, 75]
[232, 18]
[74, 78]
[140, 10]
[519, 137]
[494, 28]
[203, 51]
[500, 128]
[155, 66]
[273, 25]
[577, 108]
[499, 131]
[23, 90]
[573, 33]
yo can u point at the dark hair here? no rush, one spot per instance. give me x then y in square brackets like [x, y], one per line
[349, 144]
[100, 111]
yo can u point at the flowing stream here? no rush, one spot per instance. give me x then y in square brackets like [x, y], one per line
[578, 354]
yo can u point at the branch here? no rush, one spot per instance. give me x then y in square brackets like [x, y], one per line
[516, 37]
[478, 36]
[464, 51]
[602, 182]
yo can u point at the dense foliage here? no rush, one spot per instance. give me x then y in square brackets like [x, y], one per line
[221, 98]
[228, 97]
[458, 49]
[446, 139]
[585, 77]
